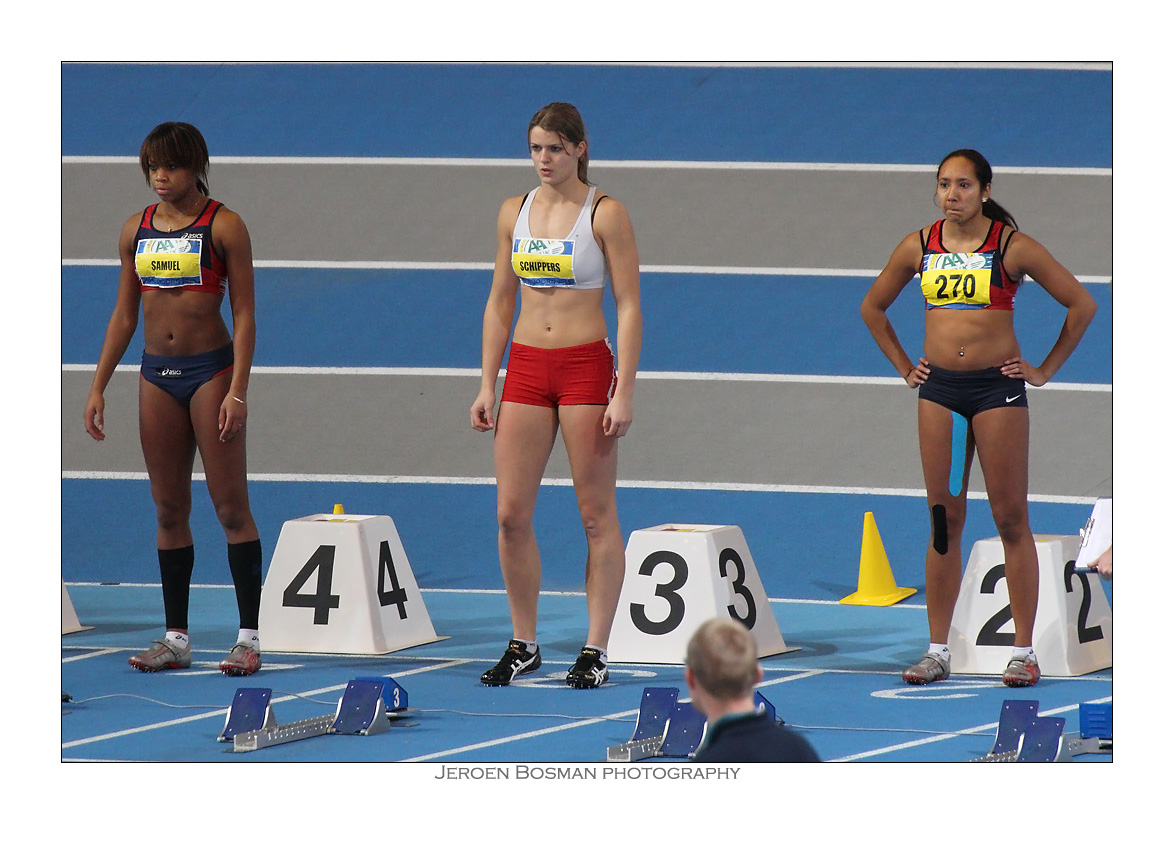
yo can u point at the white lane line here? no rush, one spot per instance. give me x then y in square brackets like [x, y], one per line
[563, 481]
[470, 372]
[641, 164]
[487, 266]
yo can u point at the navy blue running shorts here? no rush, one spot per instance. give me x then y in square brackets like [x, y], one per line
[972, 392]
[183, 375]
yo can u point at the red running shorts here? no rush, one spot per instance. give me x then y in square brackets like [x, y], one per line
[575, 375]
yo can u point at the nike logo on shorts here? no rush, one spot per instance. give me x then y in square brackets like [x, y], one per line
[1012, 398]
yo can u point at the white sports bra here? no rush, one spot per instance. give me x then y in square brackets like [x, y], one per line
[576, 261]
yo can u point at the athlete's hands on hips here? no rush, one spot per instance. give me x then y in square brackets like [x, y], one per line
[617, 417]
[481, 414]
[918, 374]
[233, 414]
[1017, 367]
[95, 405]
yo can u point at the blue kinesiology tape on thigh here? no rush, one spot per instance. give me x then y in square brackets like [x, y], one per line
[957, 453]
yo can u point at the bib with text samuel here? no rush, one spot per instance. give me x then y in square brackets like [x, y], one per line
[164, 262]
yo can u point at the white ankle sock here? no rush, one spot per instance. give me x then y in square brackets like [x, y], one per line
[249, 637]
[602, 653]
[176, 638]
[941, 650]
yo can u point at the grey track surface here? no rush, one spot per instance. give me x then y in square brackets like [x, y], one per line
[790, 433]
[713, 217]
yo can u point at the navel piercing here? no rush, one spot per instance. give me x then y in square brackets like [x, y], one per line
[961, 352]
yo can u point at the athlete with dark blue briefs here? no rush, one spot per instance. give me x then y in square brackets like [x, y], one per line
[972, 383]
[179, 258]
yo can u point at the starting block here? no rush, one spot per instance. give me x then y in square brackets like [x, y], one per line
[667, 727]
[362, 710]
[342, 584]
[1073, 626]
[652, 722]
[679, 576]
[1024, 736]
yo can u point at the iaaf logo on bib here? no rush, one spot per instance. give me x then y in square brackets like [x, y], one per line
[959, 261]
[165, 246]
[534, 246]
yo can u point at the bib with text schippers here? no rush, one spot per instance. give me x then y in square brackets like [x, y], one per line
[165, 262]
[541, 263]
[957, 280]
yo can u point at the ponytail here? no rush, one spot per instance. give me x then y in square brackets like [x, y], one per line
[994, 210]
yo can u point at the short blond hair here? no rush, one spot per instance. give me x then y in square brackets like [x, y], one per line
[724, 657]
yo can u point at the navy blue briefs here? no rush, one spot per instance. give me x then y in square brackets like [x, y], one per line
[969, 393]
[183, 375]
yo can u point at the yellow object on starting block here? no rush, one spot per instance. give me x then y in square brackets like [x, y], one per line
[876, 585]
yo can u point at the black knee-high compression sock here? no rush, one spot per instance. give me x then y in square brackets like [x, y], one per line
[175, 571]
[244, 562]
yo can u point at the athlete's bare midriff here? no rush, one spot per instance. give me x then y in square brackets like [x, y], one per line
[179, 322]
[968, 339]
[560, 317]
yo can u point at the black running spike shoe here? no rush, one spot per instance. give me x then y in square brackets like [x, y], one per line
[589, 670]
[514, 662]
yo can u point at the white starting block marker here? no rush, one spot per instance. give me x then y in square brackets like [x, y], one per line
[679, 576]
[342, 584]
[1073, 624]
[69, 622]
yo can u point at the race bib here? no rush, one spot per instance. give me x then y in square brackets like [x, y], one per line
[166, 262]
[544, 263]
[954, 280]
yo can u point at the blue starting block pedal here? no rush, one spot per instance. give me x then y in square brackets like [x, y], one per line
[656, 707]
[250, 724]
[1043, 741]
[361, 710]
[764, 706]
[1013, 722]
[250, 711]
[685, 730]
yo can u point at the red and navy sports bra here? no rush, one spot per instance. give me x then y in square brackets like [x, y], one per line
[967, 280]
[184, 258]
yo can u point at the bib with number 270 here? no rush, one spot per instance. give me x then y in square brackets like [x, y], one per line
[956, 280]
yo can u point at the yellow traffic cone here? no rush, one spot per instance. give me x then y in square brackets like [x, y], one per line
[876, 587]
[337, 509]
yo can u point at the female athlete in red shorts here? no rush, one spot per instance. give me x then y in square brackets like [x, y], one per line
[557, 246]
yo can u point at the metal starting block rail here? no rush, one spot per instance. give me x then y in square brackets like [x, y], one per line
[1024, 736]
[363, 710]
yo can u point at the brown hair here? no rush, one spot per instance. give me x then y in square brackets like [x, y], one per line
[176, 144]
[564, 120]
